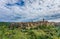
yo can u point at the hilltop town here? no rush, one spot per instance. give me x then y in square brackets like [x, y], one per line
[31, 24]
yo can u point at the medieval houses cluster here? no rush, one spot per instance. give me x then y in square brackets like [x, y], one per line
[31, 24]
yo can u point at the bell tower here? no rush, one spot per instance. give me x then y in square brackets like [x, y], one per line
[43, 19]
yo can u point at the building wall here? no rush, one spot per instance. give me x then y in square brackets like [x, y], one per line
[30, 24]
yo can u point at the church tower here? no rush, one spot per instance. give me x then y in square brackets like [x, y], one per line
[43, 19]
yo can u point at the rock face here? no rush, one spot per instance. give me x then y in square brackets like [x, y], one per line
[30, 24]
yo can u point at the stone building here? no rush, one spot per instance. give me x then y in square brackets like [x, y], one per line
[30, 24]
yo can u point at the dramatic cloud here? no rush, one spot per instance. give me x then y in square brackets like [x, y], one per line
[29, 10]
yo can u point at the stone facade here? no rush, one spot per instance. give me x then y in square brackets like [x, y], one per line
[30, 24]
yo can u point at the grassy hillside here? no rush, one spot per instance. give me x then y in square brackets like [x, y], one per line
[40, 32]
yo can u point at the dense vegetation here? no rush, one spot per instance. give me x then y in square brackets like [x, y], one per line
[40, 32]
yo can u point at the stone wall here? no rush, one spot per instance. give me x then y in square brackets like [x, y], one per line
[30, 24]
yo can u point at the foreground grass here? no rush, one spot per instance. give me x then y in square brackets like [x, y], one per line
[41, 32]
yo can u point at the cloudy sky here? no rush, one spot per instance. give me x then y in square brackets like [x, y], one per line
[29, 10]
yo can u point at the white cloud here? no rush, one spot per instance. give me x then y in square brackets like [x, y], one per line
[31, 10]
[55, 20]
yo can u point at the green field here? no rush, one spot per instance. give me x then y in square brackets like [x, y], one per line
[41, 32]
